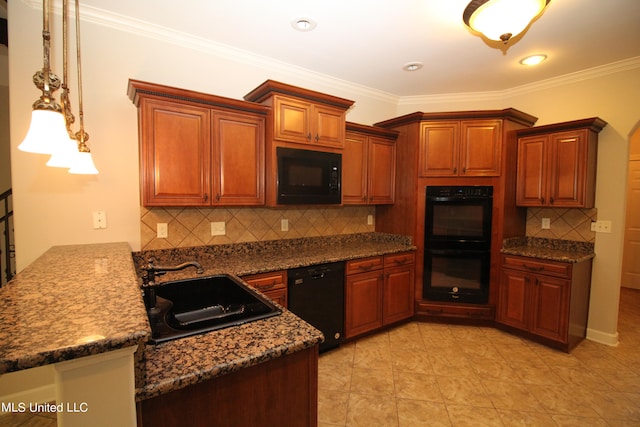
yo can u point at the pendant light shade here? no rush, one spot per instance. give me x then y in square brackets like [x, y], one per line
[500, 20]
[65, 154]
[46, 133]
[83, 164]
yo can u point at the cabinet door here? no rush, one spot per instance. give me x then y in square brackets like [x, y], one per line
[568, 160]
[175, 154]
[273, 285]
[382, 171]
[549, 317]
[354, 169]
[328, 126]
[513, 299]
[531, 185]
[292, 120]
[480, 148]
[363, 301]
[238, 159]
[439, 149]
[398, 294]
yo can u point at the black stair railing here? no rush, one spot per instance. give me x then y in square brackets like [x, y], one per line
[7, 248]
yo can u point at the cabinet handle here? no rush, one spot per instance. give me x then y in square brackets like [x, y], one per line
[464, 170]
[309, 137]
[267, 285]
[551, 200]
[528, 267]
[317, 137]
[218, 197]
[206, 197]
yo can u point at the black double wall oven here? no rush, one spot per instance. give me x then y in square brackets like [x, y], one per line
[457, 249]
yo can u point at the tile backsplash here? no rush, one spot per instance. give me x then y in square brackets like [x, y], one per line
[565, 224]
[192, 226]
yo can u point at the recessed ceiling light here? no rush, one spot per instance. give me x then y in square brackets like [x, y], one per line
[412, 66]
[303, 24]
[533, 59]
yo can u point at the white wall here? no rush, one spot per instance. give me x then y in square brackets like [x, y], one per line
[53, 207]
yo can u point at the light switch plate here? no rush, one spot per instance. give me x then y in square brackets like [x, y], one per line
[162, 229]
[218, 228]
[284, 225]
[99, 219]
[369, 219]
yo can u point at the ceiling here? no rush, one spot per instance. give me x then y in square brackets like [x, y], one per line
[367, 42]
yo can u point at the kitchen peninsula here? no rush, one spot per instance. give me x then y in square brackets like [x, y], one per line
[81, 301]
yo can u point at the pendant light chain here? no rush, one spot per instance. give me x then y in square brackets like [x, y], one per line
[81, 135]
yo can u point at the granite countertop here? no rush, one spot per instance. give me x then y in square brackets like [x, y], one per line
[80, 300]
[550, 249]
[218, 352]
[73, 301]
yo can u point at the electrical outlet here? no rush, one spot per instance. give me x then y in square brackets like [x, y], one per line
[546, 223]
[284, 225]
[162, 230]
[601, 226]
[369, 219]
[99, 219]
[218, 228]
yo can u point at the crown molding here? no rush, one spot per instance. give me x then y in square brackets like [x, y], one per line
[168, 35]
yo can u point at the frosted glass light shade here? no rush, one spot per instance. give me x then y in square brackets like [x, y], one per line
[47, 132]
[502, 19]
[65, 155]
[83, 164]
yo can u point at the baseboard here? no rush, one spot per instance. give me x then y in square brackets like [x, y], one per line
[603, 337]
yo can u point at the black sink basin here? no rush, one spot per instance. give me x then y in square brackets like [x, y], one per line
[192, 306]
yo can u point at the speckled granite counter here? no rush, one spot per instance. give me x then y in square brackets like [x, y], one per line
[227, 350]
[550, 249]
[73, 301]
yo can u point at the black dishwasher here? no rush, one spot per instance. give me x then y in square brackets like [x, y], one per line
[316, 294]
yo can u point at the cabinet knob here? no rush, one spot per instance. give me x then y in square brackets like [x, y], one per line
[217, 197]
[206, 197]
[309, 136]
[317, 137]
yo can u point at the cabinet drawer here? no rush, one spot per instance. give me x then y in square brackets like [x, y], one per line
[455, 311]
[538, 266]
[363, 265]
[267, 281]
[396, 260]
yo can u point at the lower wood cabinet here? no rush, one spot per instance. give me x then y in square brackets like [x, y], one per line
[378, 292]
[546, 300]
[272, 284]
[278, 392]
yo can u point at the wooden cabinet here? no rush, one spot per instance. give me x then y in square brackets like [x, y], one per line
[548, 300]
[557, 164]
[272, 284]
[303, 116]
[368, 165]
[198, 149]
[378, 292]
[460, 148]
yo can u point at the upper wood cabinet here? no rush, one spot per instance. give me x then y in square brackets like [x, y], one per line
[303, 116]
[460, 148]
[368, 165]
[557, 164]
[198, 149]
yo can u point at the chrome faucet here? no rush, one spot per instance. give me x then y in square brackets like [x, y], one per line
[150, 271]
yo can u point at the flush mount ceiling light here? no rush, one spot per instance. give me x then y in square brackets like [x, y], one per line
[412, 66]
[500, 20]
[303, 24]
[533, 59]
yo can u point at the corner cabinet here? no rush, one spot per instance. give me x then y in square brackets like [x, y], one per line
[460, 148]
[546, 300]
[378, 292]
[557, 164]
[369, 165]
[198, 149]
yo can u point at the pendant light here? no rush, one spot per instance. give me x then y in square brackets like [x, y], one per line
[47, 129]
[500, 20]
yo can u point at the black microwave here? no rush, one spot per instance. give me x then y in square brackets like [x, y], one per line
[308, 177]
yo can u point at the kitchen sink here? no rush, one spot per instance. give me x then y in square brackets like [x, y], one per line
[192, 306]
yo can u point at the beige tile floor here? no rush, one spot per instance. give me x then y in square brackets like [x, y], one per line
[425, 374]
